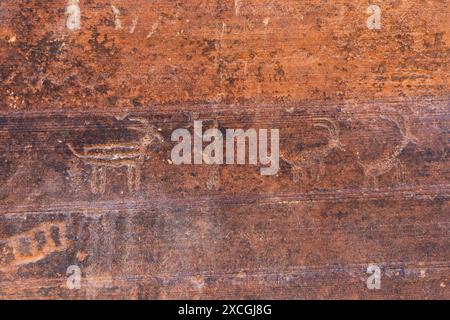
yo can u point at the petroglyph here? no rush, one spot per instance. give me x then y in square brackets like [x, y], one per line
[134, 24]
[154, 27]
[73, 15]
[75, 173]
[98, 180]
[213, 182]
[129, 155]
[33, 245]
[309, 160]
[374, 169]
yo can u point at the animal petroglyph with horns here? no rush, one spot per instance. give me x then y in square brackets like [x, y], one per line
[312, 159]
[386, 163]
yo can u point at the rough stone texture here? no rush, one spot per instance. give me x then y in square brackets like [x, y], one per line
[199, 231]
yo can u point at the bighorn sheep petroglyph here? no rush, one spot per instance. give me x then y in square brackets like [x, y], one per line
[382, 165]
[307, 159]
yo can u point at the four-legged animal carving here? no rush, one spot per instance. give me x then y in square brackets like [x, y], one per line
[306, 160]
[374, 169]
[130, 155]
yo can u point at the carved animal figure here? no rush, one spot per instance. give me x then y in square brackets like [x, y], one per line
[307, 159]
[130, 155]
[374, 169]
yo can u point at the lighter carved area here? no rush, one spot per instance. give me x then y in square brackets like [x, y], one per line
[35, 244]
[129, 155]
[373, 170]
[308, 159]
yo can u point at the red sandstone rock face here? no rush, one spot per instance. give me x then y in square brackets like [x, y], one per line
[368, 185]
[140, 53]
